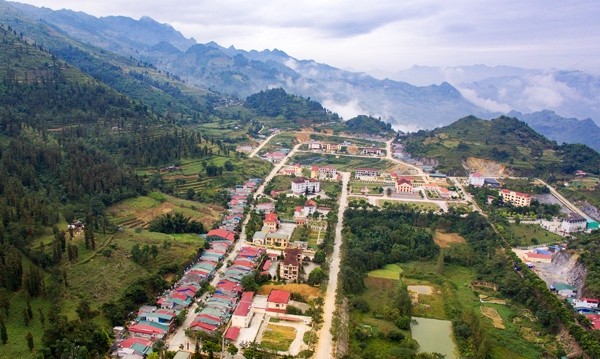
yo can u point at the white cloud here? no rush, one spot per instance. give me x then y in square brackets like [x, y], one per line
[484, 103]
[386, 34]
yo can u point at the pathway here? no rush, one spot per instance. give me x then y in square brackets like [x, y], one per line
[262, 144]
[325, 347]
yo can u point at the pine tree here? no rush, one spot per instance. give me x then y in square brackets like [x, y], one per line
[29, 339]
[3, 332]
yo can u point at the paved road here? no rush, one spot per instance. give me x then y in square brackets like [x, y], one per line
[468, 197]
[325, 348]
[263, 143]
[178, 337]
[388, 155]
[564, 201]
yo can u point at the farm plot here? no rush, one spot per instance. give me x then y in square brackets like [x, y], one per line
[492, 313]
[278, 337]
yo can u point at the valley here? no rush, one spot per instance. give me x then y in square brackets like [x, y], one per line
[162, 198]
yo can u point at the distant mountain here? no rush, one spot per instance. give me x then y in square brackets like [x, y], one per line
[561, 129]
[505, 88]
[119, 34]
[242, 73]
[505, 141]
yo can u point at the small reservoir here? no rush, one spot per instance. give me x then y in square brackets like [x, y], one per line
[434, 336]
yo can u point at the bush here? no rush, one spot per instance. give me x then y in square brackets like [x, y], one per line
[360, 304]
[293, 310]
[403, 323]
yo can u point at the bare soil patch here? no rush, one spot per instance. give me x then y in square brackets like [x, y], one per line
[305, 290]
[492, 313]
[421, 289]
[445, 240]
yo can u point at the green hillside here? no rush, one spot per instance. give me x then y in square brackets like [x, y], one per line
[504, 140]
[295, 109]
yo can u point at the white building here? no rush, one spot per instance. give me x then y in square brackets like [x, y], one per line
[573, 223]
[589, 303]
[301, 185]
[476, 179]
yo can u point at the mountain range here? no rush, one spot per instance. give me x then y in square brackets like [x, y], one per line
[436, 97]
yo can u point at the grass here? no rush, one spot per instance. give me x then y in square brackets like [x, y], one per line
[138, 211]
[112, 274]
[372, 187]
[341, 163]
[530, 234]
[391, 271]
[507, 343]
[16, 347]
[421, 206]
[278, 337]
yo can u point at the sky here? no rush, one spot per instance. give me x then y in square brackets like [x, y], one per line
[384, 36]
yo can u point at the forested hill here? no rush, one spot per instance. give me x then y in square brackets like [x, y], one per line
[505, 140]
[161, 92]
[368, 125]
[299, 110]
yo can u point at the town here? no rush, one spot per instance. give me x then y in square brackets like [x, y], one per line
[274, 230]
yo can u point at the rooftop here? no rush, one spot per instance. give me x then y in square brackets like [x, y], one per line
[279, 296]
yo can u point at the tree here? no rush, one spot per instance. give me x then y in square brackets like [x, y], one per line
[3, 332]
[316, 276]
[232, 349]
[29, 339]
[4, 301]
[249, 283]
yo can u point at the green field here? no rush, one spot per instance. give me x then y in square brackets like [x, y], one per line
[390, 271]
[342, 163]
[456, 290]
[530, 234]
[137, 212]
[421, 206]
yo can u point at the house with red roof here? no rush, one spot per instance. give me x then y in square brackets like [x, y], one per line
[220, 234]
[278, 300]
[518, 199]
[538, 257]
[243, 312]
[232, 333]
[146, 330]
[404, 185]
[595, 319]
[271, 221]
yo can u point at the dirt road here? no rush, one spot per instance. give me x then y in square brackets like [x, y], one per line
[324, 348]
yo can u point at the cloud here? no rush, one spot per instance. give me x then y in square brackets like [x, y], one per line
[485, 103]
[347, 110]
[386, 34]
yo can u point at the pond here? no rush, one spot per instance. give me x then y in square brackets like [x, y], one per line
[434, 335]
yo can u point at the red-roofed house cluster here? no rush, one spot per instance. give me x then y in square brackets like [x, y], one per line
[218, 308]
[156, 322]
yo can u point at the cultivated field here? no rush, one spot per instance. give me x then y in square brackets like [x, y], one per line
[277, 337]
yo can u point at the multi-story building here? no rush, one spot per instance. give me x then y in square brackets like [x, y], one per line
[516, 198]
[366, 172]
[404, 185]
[302, 185]
[271, 222]
[290, 268]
